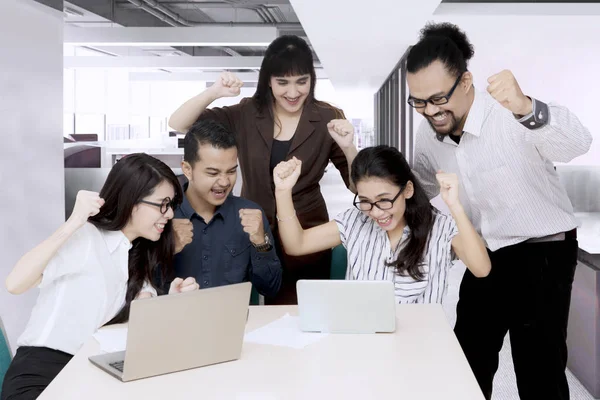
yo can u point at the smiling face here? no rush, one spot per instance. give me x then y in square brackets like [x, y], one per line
[388, 196]
[290, 92]
[147, 220]
[212, 176]
[434, 83]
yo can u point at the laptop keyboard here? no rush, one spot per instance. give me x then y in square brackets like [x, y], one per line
[118, 365]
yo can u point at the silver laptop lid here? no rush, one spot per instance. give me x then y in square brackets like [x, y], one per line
[188, 330]
[340, 306]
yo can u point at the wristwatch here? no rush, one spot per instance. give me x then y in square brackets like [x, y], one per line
[264, 247]
[538, 117]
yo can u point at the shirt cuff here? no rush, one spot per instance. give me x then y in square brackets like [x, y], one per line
[148, 288]
[264, 255]
[538, 117]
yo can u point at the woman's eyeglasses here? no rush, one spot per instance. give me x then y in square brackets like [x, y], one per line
[164, 205]
[383, 204]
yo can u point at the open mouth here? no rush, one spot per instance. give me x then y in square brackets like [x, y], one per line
[440, 118]
[293, 101]
[383, 222]
[219, 193]
[159, 227]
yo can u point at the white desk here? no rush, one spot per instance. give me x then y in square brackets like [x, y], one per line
[421, 361]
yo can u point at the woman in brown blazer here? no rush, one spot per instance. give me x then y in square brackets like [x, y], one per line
[282, 120]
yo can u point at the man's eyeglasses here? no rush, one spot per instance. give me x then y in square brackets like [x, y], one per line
[383, 204]
[164, 205]
[436, 100]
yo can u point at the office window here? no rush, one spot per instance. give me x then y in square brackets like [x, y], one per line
[117, 126]
[158, 127]
[139, 127]
[90, 123]
[68, 123]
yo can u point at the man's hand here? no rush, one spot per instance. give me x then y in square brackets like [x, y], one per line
[506, 90]
[184, 233]
[252, 222]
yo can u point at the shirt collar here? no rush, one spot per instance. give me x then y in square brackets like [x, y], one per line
[114, 239]
[476, 115]
[188, 211]
[474, 120]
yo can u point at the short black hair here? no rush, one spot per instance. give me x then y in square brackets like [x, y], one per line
[206, 132]
[444, 42]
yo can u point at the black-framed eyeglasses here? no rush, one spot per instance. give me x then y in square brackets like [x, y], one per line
[383, 204]
[436, 100]
[164, 205]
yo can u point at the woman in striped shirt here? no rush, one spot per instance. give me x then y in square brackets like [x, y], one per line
[392, 232]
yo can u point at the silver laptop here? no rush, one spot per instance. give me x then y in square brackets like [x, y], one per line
[181, 331]
[340, 306]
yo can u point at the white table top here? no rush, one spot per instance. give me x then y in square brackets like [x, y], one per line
[588, 233]
[422, 360]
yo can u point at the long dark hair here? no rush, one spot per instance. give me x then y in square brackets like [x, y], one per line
[388, 163]
[288, 55]
[129, 181]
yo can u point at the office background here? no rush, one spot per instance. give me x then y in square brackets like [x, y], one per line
[551, 48]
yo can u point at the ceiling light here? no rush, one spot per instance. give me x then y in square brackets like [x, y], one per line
[73, 12]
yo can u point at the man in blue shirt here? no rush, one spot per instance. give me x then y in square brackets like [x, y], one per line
[221, 239]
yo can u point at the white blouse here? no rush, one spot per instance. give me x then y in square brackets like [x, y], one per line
[83, 287]
[369, 250]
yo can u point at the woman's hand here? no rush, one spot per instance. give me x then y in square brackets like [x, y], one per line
[342, 131]
[449, 188]
[286, 174]
[228, 85]
[180, 286]
[87, 204]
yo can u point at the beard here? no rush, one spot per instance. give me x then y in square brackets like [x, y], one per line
[445, 130]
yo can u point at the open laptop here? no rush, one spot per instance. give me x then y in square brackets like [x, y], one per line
[181, 331]
[340, 306]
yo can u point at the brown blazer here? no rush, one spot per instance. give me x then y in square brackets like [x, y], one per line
[311, 144]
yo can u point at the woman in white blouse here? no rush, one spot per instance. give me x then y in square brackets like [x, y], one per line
[103, 257]
[392, 232]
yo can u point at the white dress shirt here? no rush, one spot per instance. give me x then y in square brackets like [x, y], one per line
[509, 187]
[369, 250]
[82, 288]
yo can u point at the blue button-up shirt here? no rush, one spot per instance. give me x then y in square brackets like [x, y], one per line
[221, 252]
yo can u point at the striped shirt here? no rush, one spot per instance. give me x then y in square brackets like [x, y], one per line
[369, 249]
[509, 187]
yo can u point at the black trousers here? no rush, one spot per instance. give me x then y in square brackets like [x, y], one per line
[527, 294]
[32, 369]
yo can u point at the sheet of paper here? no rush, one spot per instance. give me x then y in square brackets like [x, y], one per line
[283, 332]
[111, 340]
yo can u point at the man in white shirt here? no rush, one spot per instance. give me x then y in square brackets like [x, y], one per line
[502, 145]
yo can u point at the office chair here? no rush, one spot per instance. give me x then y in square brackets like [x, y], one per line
[5, 353]
[339, 262]
[254, 297]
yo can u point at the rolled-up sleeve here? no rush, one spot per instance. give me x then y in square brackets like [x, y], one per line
[563, 138]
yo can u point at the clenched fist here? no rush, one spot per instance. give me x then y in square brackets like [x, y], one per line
[184, 233]
[448, 188]
[228, 85]
[286, 174]
[181, 286]
[342, 131]
[506, 90]
[252, 222]
[87, 204]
